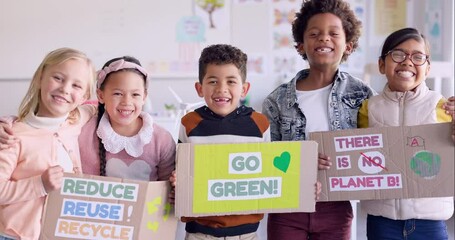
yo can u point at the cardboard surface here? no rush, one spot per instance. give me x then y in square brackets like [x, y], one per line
[94, 207]
[244, 178]
[388, 162]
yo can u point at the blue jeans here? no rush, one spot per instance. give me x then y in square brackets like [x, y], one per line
[5, 238]
[381, 228]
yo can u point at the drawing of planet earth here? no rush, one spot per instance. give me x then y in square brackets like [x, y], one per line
[426, 164]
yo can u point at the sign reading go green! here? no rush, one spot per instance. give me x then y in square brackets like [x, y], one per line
[237, 177]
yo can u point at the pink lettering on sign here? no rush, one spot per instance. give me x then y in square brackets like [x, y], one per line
[367, 182]
[343, 162]
[350, 143]
[376, 161]
[356, 182]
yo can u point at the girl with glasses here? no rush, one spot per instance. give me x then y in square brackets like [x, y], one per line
[407, 101]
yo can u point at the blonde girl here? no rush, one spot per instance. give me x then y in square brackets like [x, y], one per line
[47, 128]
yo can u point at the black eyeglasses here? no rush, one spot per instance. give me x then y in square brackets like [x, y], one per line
[400, 56]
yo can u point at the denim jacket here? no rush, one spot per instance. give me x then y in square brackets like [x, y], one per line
[287, 122]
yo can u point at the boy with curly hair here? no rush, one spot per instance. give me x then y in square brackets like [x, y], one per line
[321, 98]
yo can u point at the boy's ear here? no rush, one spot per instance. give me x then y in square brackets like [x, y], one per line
[198, 88]
[100, 96]
[300, 48]
[381, 66]
[348, 48]
[245, 88]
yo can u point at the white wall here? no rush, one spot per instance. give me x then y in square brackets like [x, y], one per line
[249, 31]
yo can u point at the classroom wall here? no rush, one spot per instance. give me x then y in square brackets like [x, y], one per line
[146, 29]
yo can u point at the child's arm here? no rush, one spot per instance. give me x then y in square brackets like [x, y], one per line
[449, 107]
[12, 191]
[7, 138]
[269, 109]
[362, 117]
[167, 157]
[24, 189]
[445, 112]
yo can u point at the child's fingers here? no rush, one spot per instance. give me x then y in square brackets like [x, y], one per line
[173, 179]
[453, 129]
[8, 141]
[323, 162]
[6, 135]
[172, 196]
[449, 106]
[318, 187]
[52, 178]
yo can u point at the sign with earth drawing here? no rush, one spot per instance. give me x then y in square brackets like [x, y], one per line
[388, 162]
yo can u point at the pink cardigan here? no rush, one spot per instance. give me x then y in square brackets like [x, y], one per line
[22, 193]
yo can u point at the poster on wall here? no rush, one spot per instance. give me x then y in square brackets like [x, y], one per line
[433, 28]
[387, 17]
[208, 24]
[356, 61]
[285, 60]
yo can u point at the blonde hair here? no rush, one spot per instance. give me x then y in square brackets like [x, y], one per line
[58, 56]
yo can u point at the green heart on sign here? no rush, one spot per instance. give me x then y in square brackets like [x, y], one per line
[282, 162]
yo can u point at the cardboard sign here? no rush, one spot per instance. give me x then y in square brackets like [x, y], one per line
[244, 178]
[388, 162]
[94, 207]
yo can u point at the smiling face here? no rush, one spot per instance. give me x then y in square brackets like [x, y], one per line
[63, 87]
[324, 40]
[222, 88]
[123, 95]
[405, 76]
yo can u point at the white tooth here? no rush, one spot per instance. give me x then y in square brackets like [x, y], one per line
[405, 74]
[324, 49]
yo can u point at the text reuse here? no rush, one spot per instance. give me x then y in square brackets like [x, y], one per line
[92, 210]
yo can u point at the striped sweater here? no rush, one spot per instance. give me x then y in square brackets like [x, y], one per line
[204, 126]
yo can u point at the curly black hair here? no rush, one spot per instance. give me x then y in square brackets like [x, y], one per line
[351, 25]
[220, 54]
